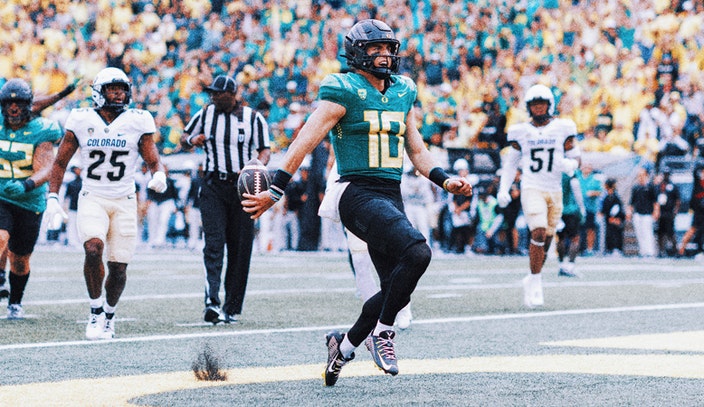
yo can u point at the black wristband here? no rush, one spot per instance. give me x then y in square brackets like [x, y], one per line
[29, 184]
[67, 91]
[281, 179]
[438, 176]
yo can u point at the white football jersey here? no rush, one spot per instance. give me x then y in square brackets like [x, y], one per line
[109, 152]
[542, 151]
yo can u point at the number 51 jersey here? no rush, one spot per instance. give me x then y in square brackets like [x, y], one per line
[542, 151]
[109, 152]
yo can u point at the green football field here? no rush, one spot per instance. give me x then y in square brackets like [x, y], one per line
[630, 332]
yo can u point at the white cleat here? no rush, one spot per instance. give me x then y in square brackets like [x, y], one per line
[109, 329]
[533, 290]
[15, 311]
[404, 317]
[95, 327]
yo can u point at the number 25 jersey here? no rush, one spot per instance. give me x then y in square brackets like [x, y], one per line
[109, 152]
[542, 151]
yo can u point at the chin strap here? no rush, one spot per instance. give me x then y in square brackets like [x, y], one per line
[542, 119]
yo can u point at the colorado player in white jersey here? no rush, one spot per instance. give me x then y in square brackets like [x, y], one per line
[111, 139]
[543, 149]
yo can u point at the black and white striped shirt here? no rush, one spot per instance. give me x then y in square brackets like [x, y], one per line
[232, 139]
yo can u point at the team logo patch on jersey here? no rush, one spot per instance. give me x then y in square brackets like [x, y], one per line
[384, 99]
[362, 93]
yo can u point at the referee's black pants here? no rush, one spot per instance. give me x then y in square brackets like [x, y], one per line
[225, 224]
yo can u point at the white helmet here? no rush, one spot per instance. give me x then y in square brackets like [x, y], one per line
[106, 77]
[540, 92]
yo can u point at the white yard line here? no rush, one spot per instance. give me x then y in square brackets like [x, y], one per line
[454, 320]
[426, 288]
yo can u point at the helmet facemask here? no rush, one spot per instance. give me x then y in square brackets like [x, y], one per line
[365, 62]
[113, 105]
[110, 76]
[540, 93]
[16, 91]
[363, 34]
[539, 118]
[16, 119]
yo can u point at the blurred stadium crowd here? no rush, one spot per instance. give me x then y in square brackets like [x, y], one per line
[609, 62]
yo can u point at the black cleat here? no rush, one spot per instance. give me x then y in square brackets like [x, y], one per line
[382, 350]
[213, 314]
[335, 359]
[232, 318]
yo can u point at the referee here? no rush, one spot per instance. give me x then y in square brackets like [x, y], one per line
[230, 134]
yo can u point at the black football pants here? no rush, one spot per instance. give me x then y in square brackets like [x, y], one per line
[374, 213]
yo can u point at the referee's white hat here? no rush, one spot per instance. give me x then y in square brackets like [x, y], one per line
[223, 83]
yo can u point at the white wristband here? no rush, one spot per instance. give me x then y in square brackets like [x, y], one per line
[53, 195]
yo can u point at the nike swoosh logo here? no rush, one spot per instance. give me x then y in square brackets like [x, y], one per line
[402, 94]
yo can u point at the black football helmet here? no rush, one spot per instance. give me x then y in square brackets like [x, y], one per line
[368, 32]
[18, 91]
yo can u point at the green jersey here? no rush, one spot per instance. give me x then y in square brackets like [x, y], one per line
[369, 139]
[17, 158]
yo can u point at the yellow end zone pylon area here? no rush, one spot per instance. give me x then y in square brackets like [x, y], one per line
[118, 391]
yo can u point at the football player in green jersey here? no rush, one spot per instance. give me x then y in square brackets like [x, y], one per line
[367, 114]
[26, 153]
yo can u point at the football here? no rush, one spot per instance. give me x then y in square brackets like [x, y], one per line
[254, 178]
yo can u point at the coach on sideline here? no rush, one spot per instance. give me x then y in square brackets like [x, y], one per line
[230, 134]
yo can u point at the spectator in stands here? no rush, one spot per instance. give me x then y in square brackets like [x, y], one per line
[591, 192]
[417, 193]
[493, 134]
[511, 213]
[161, 207]
[489, 220]
[604, 119]
[462, 214]
[696, 207]
[619, 140]
[192, 207]
[288, 221]
[573, 216]
[668, 201]
[590, 143]
[643, 211]
[71, 196]
[615, 217]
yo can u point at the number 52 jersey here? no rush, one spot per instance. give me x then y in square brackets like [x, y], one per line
[109, 152]
[542, 151]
